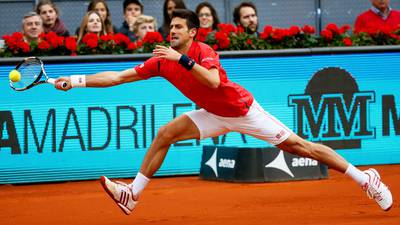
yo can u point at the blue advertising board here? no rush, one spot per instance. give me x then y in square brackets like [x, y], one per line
[347, 101]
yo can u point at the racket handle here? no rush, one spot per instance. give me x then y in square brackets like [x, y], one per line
[53, 82]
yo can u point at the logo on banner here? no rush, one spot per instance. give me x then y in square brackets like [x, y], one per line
[214, 163]
[281, 164]
[333, 110]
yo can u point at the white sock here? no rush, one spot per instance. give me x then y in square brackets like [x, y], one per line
[139, 183]
[357, 175]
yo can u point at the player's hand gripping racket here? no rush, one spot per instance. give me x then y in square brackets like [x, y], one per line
[29, 73]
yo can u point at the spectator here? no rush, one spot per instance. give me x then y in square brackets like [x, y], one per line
[101, 7]
[32, 26]
[50, 17]
[169, 6]
[379, 15]
[91, 23]
[245, 15]
[142, 25]
[132, 9]
[207, 15]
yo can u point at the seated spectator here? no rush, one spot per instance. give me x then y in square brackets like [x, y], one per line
[169, 6]
[245, 15]
[132, 9]
[32, 26]
[379, 15]
[50, 17]
[101, 7]
[142, 25]
[91, 23]
[207, 15]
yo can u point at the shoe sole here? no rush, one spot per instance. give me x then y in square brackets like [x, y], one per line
[103, 184]
[388, 208]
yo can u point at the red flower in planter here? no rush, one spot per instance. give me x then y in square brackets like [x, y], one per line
[121, 39]
[106, 37]
[53, 39]
[333, 28]
[344, 29]
[294, 30]
[25, 47]
[327, 34]
[44, 45]
[239, 29]
[70, 43]
[267, 32]
[222, 39]
[347, 41]
[92, 43]
[202, 34]
[226, 28]
[89, 36]
[152, 37]
[308, 29]
[279, 34]
[132, 46]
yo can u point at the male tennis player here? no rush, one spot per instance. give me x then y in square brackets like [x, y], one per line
[194, 68]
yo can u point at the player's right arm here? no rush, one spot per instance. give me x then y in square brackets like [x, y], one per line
[101, 79]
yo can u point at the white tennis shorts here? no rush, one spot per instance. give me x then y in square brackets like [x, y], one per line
[257, 123]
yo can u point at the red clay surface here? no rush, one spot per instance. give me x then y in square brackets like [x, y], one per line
[189, 200]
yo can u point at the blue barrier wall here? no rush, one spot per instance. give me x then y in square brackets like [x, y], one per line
[347, 101]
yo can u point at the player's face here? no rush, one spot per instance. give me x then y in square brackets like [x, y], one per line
[248, 18]
[32, 27]
[48, 14]
[180, 35]
[94, 23]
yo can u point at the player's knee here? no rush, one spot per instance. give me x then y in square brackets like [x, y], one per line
[165, 135]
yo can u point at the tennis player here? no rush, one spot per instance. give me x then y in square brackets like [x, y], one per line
[194, 68]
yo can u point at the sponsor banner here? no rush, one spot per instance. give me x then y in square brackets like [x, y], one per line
[343, 101]
[257, 165]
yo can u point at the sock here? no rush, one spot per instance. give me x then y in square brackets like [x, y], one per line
[357, 175]
[139, 183]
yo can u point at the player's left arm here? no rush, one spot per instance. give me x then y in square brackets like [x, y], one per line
[209, 77]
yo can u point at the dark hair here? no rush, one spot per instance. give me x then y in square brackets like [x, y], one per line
[179, 4]
[213, 13]
[107, 21]
[137, 2]
[192, 20]
[236, 11]
[47, 2]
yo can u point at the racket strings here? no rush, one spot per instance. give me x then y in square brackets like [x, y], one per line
[29, 70]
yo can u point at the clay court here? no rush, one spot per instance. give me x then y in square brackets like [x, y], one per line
[189, 200]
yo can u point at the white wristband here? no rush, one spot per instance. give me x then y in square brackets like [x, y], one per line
[78, 81]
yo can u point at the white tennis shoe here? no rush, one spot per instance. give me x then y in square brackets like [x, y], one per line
[377, 190]
[121, 193]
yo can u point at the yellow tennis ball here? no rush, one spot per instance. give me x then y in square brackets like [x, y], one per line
[14, 75]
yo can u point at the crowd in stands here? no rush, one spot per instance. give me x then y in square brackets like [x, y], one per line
[97, 21]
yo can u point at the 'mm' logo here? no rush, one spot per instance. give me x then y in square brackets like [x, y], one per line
[333, 110]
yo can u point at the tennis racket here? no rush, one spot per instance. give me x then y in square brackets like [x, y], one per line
[32, 73]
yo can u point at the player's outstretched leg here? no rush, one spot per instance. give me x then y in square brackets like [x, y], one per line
[377, 190]
[121, 193]
[368, 180]
[126, 196]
